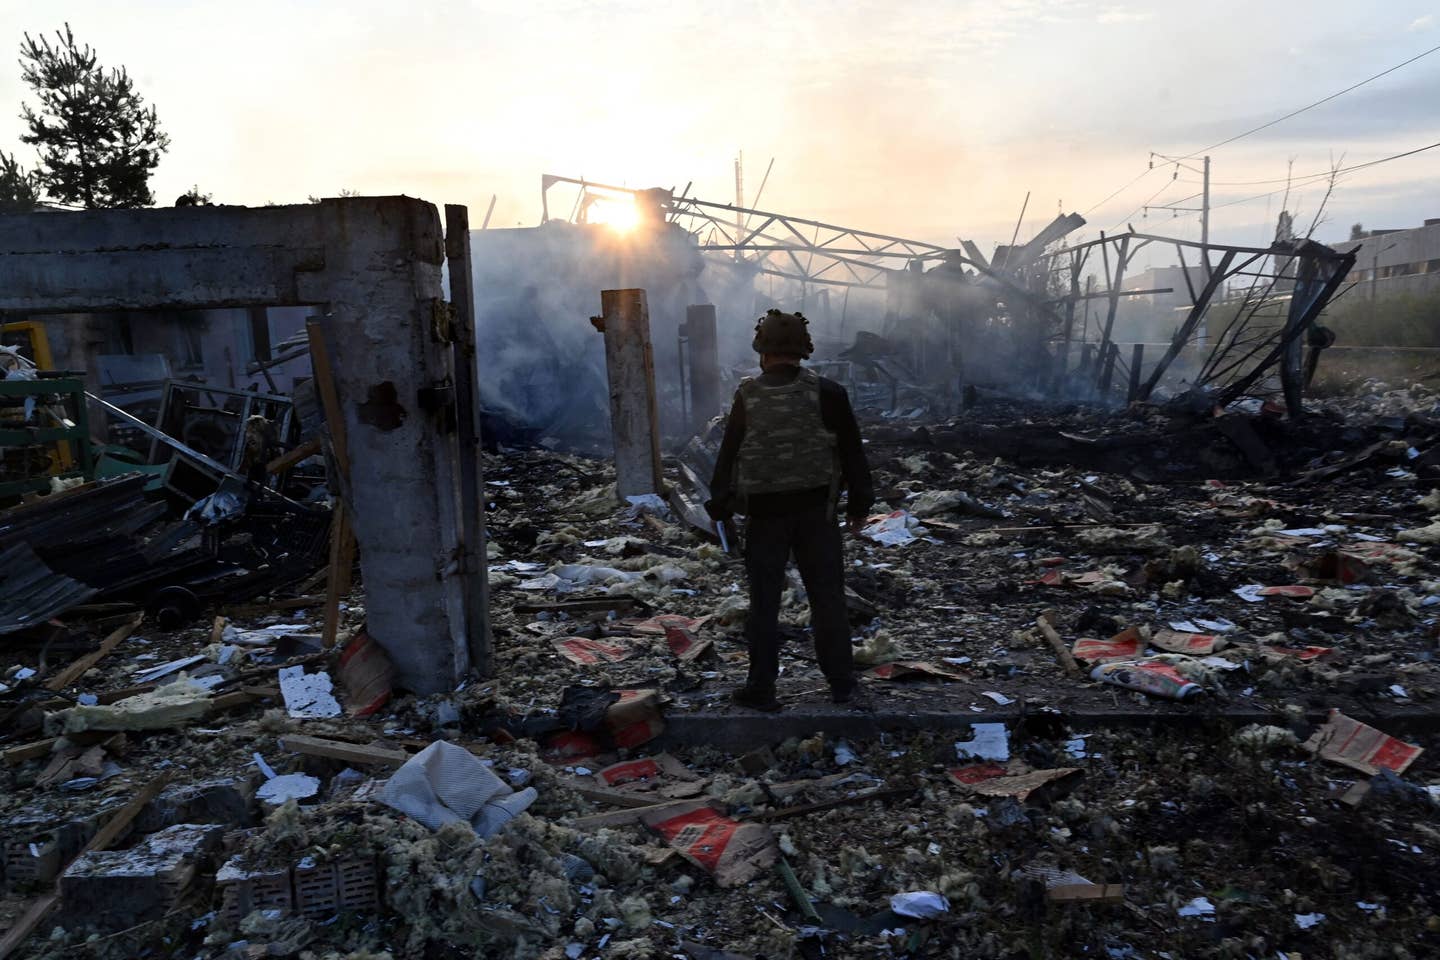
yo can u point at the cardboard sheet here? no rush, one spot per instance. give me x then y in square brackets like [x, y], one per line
[730, 851]
[1359, 746]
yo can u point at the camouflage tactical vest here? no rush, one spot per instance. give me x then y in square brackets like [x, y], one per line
[786, 445]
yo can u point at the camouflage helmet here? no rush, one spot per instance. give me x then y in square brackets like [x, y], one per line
[778, 332]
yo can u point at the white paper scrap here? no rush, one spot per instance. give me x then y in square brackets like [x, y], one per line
[991, 742]
[308, 695]
[891, 530]
[290, 786]
[1199, 907]
[920, 904]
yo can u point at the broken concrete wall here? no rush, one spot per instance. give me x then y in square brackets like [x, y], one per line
[372, 265]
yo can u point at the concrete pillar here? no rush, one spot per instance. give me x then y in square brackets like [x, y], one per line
[390, 346]
[700, 336]
[630, 366]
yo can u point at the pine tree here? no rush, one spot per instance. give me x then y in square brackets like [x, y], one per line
[97, 140]
[19, 193]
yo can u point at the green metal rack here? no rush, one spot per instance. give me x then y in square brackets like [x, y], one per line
[69, 451]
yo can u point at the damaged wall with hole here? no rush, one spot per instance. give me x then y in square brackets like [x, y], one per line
[373, 268]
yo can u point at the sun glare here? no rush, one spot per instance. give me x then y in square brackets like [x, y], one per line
[618, 214]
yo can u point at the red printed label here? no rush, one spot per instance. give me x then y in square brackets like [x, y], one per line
[977, 773]
[701, 835]
[645, 769]
[1394, 754]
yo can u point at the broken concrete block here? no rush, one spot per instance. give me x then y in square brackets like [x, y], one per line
[114, 889]
[323, 890]
[244, 890]
[226, 802]
[34, 848]
[30, 863]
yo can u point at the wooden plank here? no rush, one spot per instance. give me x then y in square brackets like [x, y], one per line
[339, 750]
[329, 397]
[337, 574]
[101, 610]
[27, 923]
[1057, 526]
[569, 606]
[288, 459]
[29, 751]
[620, 818]
[229, 701]
[116, 825]
[881, 794]
[270, 606]
[315, 579]
[1047, 630]
[619, 798]
[77, 669]
[342, 536]
[1087, 892]
[262, 693]
[110, 696]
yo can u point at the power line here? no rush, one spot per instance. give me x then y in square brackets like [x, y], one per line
[1163, 187]
[1319, 174]
[1317, 177]
[1143, 174]
[1311, 106]
[1178, 161]
[1171, 204]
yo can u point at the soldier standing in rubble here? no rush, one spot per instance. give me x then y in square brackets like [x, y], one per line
[791, 445]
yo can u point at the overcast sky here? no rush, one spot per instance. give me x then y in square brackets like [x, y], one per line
[923, 119]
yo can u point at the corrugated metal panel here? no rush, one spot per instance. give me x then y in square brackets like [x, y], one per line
[31, 593]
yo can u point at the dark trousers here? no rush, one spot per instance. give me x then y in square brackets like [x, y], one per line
[812, 537]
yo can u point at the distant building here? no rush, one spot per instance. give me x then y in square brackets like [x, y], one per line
[1393, 262]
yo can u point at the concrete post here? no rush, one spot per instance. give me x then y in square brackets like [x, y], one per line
[630, 366]
[390, 339]
[700, 335]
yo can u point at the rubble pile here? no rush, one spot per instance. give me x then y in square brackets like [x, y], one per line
[1173, 699]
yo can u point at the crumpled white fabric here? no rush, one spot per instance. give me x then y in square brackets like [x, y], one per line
[444, 783]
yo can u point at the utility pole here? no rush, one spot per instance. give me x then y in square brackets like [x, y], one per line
[1205, 219]
[1203, 337]
[1202, 332]
[739, 201]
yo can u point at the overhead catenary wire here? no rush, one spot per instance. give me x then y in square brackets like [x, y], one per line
[1318, 175]
[1179, 161]
[1311, 179]
[1143, 174]
[1125, 219]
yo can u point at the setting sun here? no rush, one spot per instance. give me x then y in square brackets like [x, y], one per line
[618, 213]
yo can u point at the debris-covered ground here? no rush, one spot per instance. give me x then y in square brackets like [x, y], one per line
[997, 800]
